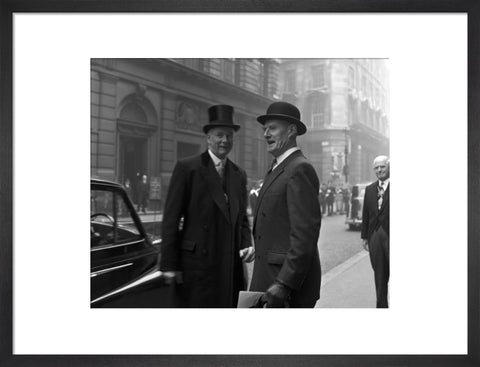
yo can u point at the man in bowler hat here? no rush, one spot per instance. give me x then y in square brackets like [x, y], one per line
[205, 230]
[287, 217]
[376, 227]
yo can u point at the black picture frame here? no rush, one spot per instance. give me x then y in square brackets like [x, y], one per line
[7, 8]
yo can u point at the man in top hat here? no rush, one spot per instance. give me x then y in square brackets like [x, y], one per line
[287, 217]
[205, 230]
[376, 227]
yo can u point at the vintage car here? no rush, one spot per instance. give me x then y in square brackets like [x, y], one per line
[354, 220]
[123, 257]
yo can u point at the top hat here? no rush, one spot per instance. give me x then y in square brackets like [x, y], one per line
[220, 115]
[284, 111]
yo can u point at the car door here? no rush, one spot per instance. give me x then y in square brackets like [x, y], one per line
[120, 250]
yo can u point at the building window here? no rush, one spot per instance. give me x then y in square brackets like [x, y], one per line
[263, 79]
[351, 113]
[318, 76]
[364, 114]
[290, 81]
[351, 76]
[229, 70]
[190, 63]
[318, 113]
[364, 84]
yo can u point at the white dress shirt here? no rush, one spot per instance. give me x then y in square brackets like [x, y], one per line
[218, 163]
[284, 156]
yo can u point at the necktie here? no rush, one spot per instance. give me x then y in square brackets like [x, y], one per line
[381, 191]
[274, 163]
[220, 167]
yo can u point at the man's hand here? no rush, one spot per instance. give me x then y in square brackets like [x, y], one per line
[365, 245]
[172, 277]
[247, 254]
[276, 296]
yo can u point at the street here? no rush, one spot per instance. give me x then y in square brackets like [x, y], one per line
[337, 244]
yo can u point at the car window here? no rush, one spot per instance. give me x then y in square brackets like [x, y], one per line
[111, 222]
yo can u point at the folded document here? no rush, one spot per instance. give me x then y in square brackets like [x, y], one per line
[249, 299]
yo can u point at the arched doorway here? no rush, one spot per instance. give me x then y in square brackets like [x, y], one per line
[134, 131]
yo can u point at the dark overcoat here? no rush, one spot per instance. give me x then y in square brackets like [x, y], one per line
[372, 218]
[286, 229]
[376, 229]
[205, 224]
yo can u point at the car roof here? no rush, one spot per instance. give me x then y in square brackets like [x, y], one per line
[101, 182]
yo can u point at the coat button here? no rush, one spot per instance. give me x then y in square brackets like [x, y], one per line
[205, 227]
[204, 251]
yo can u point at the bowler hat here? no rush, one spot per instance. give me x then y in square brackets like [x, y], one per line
[284, 111]
[220, 115]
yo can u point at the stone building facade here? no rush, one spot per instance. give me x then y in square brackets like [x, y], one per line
[148, 113]
[344, 103]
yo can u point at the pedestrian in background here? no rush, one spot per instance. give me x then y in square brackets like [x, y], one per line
[330, 199]
[143, 193]
[128, 188]
[287, 217]
[208, 194]
[322, 198]
[339, 201]
[376, 227]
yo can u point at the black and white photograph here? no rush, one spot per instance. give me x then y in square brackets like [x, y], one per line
[197, 185]
[298, 142]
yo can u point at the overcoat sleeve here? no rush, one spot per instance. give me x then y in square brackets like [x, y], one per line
[246, 234]
[175, 207]
[305, 220]
[365, 213]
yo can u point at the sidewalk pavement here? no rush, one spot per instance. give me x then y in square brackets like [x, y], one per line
[349, 285]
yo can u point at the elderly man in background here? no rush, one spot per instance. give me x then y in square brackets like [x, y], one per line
[376, 227]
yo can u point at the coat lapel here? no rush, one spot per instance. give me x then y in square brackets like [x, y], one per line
[233, 178]
[386, 196]
[214, 184]
[272, 176]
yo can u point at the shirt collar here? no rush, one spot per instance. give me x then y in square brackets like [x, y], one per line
[215, 159]
[385, 183]
[285, 155]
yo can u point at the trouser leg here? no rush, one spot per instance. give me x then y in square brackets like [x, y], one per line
[379, 248]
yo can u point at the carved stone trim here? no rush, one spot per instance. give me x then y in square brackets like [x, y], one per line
[188, 115]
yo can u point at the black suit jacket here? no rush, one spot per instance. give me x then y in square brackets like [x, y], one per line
[372, 217]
